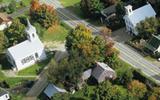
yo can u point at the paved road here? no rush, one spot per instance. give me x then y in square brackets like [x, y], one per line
[126, 53]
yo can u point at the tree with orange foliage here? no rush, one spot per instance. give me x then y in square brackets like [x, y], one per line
[105, 32]
[155, 95]
[137, 89]
[43, 14]
[34, 5]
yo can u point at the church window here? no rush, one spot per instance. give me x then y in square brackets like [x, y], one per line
[33, 35]
[36, 55]
[27, 59]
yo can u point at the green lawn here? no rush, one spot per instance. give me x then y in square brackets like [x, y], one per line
[74, 6]
[59, 34]
[83, 93]
[32, 70]
[26, 2]
[56, 34]
[13, 81]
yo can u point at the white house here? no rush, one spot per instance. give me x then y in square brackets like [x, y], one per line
[133, 17]
[4, 95]
[27, 52]
[5, 21]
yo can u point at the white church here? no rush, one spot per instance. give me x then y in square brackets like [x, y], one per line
[27, 52]
[133, 17]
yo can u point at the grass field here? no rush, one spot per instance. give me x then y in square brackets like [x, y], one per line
[74, 6]
[59, 34]
[13, 81]
[26, 2]
[34, 69]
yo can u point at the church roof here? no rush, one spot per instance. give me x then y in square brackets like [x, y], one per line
[140, 14]
[25, 48]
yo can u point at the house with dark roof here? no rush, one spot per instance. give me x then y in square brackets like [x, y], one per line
[100, 72]
[153, 44]
[4, 95]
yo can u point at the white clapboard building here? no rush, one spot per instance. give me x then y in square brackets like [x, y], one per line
[27, 52]
[133, 17]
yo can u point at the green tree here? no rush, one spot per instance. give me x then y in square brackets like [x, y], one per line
[120, 11]
[155, 94]
[137, 89]
[15, 33]
[107, 91]
[147, 27]
[2, 42]
[44, 14]
[67, 71]
[80, 40]
[92, 49]
[102, 92]
[12, 6]
[125, 76]
[118, 93]
[109, 2]
[91, 8]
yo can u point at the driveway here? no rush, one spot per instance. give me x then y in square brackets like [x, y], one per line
[121, 35]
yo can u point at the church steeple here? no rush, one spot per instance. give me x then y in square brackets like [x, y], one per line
[30, 31]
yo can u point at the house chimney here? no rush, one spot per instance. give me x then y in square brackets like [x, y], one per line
[128, 10]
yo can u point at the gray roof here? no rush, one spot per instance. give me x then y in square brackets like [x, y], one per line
[140, 14]
[109, 10]
[51, 89]
[102, 71]
[153, 43]
[86, 74]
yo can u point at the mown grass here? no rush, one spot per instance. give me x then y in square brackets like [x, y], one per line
[13, 81]
[74, 6]
[57, 33]
[34, 69]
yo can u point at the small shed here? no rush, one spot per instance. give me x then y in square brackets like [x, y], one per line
[51, 89]
[102, 71]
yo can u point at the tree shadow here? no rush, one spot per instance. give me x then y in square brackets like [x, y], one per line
[5, 65]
